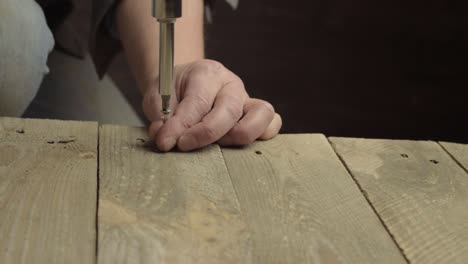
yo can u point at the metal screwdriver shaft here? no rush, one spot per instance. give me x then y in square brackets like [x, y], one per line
[166, 12]
[166, 64]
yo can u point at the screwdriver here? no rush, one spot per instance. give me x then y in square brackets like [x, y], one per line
[166, 12]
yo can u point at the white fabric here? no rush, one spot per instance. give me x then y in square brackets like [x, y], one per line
[25, 42]
[234, 3]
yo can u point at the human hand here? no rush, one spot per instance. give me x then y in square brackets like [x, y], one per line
[209, 104]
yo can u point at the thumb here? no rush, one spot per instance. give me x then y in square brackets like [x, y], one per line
[152, 108]
[273, 129]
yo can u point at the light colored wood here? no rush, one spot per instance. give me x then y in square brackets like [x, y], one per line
[458, 152]
[419, 192]
[303, 207]
[166, 208]
[47, 191]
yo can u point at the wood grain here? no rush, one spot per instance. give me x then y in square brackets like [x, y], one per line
[166, 208]
[303, 207]
[458, 152]
[47, 191]
[418, 191]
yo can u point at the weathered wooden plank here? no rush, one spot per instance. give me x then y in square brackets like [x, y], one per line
[48, 189]
[166, 208]
[418, 191]
[303, 207]
[458, 152]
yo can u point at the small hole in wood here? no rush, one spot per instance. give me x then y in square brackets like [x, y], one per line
[141, 140]
[66, 141]
[258, 152]
[404, 155]
[50, 142]
[20, 131]
[434, 161]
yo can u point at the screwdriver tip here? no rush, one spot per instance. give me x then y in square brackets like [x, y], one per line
[166, 113]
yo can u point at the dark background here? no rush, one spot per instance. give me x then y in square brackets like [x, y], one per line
[360, 68]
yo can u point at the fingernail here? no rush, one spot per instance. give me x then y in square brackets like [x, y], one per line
[187, 143]
[167, 144]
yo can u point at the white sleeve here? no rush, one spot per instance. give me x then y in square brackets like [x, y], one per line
[209, 5]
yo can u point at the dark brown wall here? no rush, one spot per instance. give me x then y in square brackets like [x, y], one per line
[364, 68]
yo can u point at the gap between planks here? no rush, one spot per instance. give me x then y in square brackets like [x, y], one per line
[410, 192]
[364, 193]
[458, 162]
[328, 210]
[97, 194]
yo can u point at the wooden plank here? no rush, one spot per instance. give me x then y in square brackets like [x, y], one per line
[303, 207]
[458, 152]
[166, 208]
[419, 192]
[48, 191]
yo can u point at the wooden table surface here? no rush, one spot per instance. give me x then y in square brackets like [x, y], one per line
[76, 192]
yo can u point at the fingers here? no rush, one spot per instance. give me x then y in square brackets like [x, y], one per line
[273, 129]
[212, 101]
[258, 121]
[154, 128]
[198, 92]
[227, 111]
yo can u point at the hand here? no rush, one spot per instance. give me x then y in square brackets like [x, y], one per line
[209, 104]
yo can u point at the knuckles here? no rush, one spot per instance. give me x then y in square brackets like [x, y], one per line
[268, 107]
[201, 104]
[234, 108]
[210, 133]
[233, 105]
[243, 136]
[207, 67]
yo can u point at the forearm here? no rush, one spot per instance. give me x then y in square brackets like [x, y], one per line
[139, 33]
